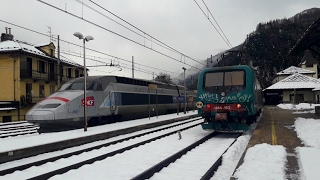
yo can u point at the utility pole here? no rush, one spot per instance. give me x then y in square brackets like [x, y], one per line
[184, 77]
[132, 67]
[58, 68]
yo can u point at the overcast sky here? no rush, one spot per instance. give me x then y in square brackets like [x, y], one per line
[179, 24]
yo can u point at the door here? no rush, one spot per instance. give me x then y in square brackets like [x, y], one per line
[6, 119]
[29, 93]
[113, 104]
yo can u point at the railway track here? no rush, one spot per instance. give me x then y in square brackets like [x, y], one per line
[136, 139]
[17, 128]
[184, 159]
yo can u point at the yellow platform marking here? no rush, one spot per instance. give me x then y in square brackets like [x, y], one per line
[273, 130]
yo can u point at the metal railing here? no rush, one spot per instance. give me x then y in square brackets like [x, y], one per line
[36, 75]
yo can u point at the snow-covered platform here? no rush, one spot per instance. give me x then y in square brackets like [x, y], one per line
[276, 129]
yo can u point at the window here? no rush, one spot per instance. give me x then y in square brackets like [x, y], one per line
[213, 79]
[69, 73]
[77, 73]
[51, 52]
[41, 90]
[76, 86]
[52, 89]
[64, 86]
[42, 67]
[234, 78]
[309, 65]
[229, 78]
[29, 91]
[47, 106]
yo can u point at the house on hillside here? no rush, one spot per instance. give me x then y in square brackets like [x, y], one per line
[28, 74]
[276, 94]
[308, 62]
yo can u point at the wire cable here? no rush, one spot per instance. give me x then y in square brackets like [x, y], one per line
[144, 32]
[117, 58]
[212, 24]
[216, 22]
[115, 33]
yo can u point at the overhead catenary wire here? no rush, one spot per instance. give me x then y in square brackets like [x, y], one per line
[83, 19]
[86, 48]
[127, 65]
[216, 22]
[143, 32]
[213, 25]
[81, 2]
[87, 57]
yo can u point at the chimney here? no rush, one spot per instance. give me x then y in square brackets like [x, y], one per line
[7, 36]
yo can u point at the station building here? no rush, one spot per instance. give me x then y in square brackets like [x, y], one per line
[28, 74]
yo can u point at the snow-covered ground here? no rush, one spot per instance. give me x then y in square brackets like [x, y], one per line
[261, 162]
[265, 161]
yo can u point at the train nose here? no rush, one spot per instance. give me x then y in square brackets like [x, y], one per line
[40, 115]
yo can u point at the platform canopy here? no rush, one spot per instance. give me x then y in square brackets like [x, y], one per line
[309, 40]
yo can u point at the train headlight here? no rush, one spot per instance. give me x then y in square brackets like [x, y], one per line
[223, 94]
[238, 106]
[199, 104]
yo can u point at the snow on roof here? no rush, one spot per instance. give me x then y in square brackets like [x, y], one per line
[69, 61]
[296, 81]
[7, 108]
[17, 45]
[40, 45]
[293, 69]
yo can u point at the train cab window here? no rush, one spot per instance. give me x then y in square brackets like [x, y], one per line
[234, 78]
[95, 87]
[76, 86]
[64, 86]
[213, 79]
[47, 106]
[98, 87]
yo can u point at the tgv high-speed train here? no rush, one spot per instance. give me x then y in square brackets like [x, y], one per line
[109, 99]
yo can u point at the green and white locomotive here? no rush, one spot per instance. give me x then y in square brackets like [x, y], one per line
[229, 98]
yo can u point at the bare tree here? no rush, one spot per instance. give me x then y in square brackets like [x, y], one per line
[162, 77]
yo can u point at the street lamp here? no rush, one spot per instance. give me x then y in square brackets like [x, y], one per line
[87, 38]
[184, 77]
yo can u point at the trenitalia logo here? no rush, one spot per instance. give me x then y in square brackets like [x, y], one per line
[90, 101]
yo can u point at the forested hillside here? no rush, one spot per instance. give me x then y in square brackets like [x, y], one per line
[266, 49]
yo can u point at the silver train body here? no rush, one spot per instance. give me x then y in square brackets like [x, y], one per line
[109, 99]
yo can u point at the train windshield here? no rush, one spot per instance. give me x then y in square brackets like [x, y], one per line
[229, 78]
[96, 86]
